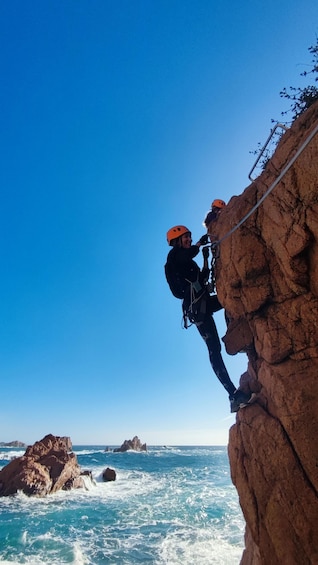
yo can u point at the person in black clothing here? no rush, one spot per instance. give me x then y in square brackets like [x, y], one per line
[198, 305]
[214, 212]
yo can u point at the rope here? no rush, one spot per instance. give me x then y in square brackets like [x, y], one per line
[193, 300]
[269, 190]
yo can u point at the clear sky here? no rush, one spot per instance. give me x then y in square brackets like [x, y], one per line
[120, 119]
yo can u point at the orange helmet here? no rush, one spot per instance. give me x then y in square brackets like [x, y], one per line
[175, 232]
[217, 203]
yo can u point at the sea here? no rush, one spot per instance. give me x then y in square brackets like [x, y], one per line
[168, 506]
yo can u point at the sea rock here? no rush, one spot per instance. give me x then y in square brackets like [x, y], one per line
[131, 444]
[109, 474]
[46, 467]
[14, 443]
[267, 280]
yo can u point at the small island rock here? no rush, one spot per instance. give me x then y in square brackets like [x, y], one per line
[131, 444]
[14, 443]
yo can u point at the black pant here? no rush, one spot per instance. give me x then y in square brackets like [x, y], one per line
[201, 315]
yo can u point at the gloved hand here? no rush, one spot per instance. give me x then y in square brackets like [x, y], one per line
[205, 252]
[204, 239]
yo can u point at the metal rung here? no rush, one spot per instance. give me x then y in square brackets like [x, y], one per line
[264, 147]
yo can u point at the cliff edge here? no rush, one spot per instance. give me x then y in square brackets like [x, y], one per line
[267, 280]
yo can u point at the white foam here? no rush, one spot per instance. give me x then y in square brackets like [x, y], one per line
[5, 562]
[157, 514]
[88, 451]
[76, 553]
[10, 454]
[203, 546]
[79, 557]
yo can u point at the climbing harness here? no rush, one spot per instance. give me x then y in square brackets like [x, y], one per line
[212, 270]
[272, 186]
[198, 291]
[195, 297]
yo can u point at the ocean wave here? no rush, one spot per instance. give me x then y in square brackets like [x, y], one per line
[170, 507]
[48, 549]
[88, 451]
[10, 454]
[197, 545]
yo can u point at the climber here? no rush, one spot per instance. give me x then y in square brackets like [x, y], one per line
[208, 222]
[189, 283]
[213, 213]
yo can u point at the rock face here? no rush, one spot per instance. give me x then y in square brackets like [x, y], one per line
[267, 280]
[46, 467]
[134, 444]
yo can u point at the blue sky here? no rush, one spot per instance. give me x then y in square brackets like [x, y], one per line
[119, 120]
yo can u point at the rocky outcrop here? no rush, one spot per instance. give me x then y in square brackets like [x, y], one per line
[267, 280]
[46, 467]
[109, 474]
[14, 443]
[131, 444]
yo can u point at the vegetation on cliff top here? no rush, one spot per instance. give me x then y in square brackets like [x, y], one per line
[301, 99]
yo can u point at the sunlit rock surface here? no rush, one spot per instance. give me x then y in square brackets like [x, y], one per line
[46, 467]
[267, 280]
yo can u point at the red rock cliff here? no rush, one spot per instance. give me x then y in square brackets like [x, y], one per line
[267, 280]
[46, 467]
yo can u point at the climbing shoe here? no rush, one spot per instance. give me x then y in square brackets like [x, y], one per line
[239, 400]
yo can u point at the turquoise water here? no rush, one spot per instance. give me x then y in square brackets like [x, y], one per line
[169, 506]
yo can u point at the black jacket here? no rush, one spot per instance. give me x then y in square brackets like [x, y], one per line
[210, 217]
[188, 271]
